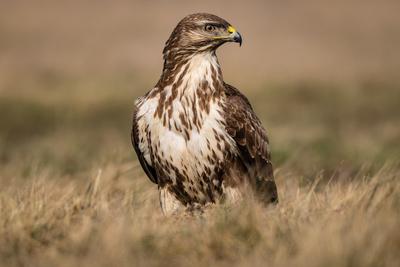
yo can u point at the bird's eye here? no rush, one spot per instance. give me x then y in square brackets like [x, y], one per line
[210, 28]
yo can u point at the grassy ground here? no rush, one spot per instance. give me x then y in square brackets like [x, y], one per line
[323, 77]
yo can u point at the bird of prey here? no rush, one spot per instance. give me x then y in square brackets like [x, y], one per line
[196, 136]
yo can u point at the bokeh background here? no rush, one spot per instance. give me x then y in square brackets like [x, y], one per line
[323, 76]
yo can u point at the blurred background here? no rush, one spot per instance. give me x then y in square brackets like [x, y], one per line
[322, 75]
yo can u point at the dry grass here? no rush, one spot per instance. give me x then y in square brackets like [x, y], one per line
[322, 76]
[114, 220]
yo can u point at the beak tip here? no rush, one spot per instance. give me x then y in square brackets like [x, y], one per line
[238, 38]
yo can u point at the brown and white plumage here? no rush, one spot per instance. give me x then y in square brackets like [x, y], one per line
[197, 137]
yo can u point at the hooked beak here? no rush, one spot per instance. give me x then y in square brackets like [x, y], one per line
[235, 35]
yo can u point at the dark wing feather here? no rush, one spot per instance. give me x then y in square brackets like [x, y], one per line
[150, 171]
[245, 128]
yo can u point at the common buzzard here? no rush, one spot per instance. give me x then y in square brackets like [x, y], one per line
[196, 136]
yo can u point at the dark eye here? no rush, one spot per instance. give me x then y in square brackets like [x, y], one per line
[210, 28]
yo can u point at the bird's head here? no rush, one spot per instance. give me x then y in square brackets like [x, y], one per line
[201, 32]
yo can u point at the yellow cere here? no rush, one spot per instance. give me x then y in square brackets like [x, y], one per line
[231, 29]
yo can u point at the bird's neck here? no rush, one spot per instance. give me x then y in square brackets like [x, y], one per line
[192, 71]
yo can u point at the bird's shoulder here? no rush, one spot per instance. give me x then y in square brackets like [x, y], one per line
[234, 95]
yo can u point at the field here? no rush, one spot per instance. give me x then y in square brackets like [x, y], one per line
[73, 194]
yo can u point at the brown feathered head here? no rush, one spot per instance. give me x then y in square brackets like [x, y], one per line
[200, 32]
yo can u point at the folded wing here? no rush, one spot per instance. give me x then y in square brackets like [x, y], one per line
[254, 158]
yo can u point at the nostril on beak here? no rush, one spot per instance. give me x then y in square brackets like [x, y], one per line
[231, 29]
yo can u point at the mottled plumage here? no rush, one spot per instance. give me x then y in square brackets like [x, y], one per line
[197, 137]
